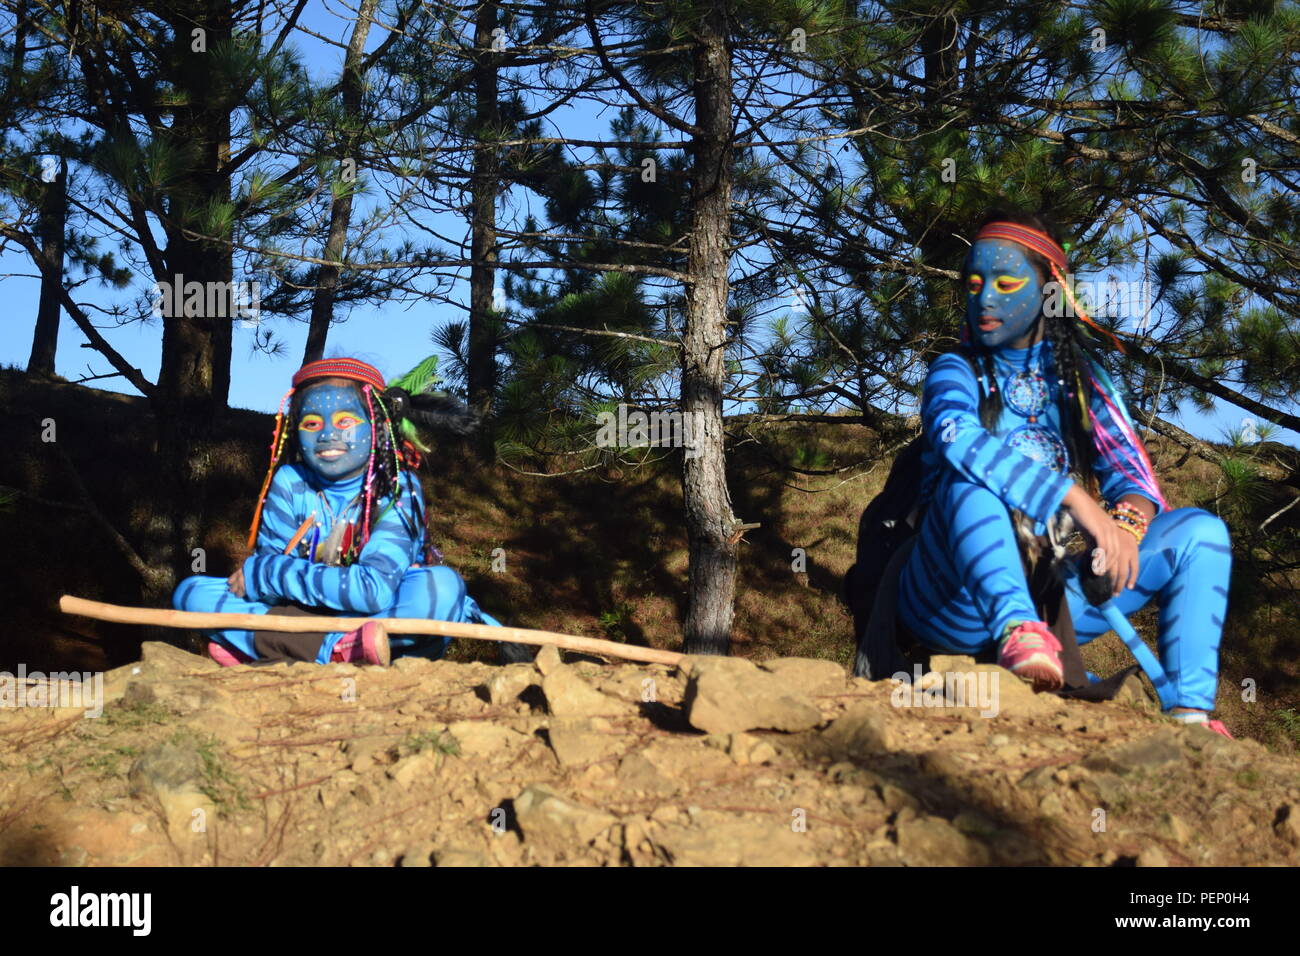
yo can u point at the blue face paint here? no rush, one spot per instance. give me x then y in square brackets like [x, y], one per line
[1001, 283]
[334, 432]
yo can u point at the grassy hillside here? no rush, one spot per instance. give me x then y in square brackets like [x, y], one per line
[602, 553]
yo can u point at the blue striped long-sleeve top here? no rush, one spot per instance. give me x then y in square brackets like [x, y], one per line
[956, 440]
[367, 587]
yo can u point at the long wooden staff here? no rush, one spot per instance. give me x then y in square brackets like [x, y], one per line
[194, 620]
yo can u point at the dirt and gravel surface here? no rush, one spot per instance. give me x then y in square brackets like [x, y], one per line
[576, 762]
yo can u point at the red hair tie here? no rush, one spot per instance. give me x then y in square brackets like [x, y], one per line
[410, 454]
[277, 445]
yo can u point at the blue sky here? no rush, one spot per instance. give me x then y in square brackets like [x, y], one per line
[393, 339]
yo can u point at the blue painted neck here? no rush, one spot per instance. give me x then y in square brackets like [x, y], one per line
[349, 487]
[1022, 358]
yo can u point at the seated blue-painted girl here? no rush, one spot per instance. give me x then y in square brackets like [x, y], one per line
[340, 525]
[1021, 409]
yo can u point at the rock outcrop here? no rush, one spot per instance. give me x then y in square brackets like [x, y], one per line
[715, 762]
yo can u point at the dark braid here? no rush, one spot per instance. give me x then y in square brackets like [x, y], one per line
[1069, 361]
[990, 395]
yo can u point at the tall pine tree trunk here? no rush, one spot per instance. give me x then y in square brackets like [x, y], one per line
[481, 353]
[53, 223]
[709, 519]
[194, 376]
[327, 279]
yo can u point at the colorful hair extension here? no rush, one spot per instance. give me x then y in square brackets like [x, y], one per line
[392, 438]
[1112, 449]
[1078, 309]
[405, 455]
[370, 468]
[372, 399]
[1080, 393]
[277, 446]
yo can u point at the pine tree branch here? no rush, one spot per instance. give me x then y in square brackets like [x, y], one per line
[523, 323]
[75, 312]
[152, 577]
[1186, 440]
[826, 418]
[1273, 129]
[675, 122]
[1281, 511]
[1188, 376]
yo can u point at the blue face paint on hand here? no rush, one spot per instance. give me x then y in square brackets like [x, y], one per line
[1004, 295]
[334, 432]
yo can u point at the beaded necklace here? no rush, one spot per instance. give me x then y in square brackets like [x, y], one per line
[1027, 393]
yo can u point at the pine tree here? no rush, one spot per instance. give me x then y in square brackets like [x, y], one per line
[151, 94]
[324, 295]
[35, 92]
[686, 60]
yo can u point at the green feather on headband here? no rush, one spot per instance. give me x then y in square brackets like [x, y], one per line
[420, 379]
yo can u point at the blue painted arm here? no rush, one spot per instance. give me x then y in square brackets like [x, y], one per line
[367, 587]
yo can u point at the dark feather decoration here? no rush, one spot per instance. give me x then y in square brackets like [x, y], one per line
[440, 414]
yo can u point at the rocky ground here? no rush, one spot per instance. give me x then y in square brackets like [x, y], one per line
[714, 762]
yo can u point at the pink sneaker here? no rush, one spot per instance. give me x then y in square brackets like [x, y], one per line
[368, 644]
[226, 656]
[1031, 652]
[1202, 719]
[1218, 728]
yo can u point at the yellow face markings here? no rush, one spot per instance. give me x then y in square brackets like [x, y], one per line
[1004, 283]
[312, 422]
[345, 420]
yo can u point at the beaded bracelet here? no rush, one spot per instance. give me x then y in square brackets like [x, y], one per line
[1133, 531]
[1128, 519]
[1123, 511]
[1131, 519]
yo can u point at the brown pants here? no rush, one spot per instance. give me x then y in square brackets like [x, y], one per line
[278, 647]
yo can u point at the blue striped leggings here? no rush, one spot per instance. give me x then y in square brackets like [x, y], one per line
[436, 592]
[964, 583]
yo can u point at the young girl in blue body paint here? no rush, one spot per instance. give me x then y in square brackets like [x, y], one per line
[1008, 436]
[341, 491]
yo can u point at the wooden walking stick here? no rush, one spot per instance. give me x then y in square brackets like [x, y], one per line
[194, 620]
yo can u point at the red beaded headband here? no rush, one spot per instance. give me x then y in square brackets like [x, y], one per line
[1039, 242]
[340, 368]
